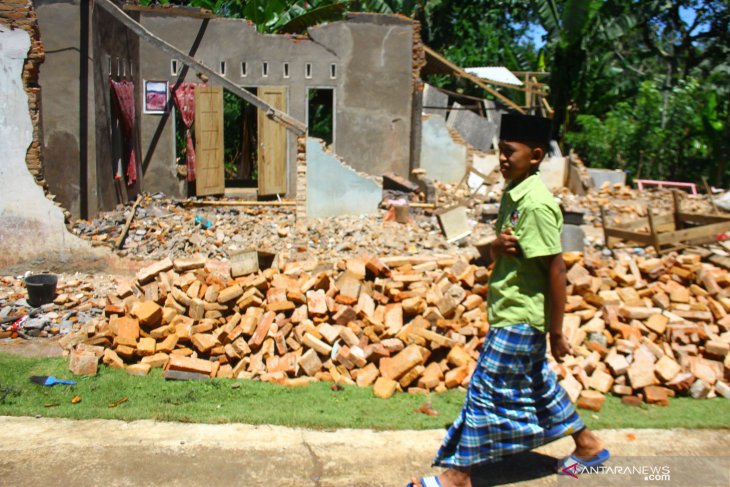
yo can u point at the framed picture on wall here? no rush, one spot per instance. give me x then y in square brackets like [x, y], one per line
[155, 96]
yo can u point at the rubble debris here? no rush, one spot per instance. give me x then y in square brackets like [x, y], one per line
[640, 326]
[454, 223]
[78, 301]
[166, 228]
[392, 181]
[364, 321]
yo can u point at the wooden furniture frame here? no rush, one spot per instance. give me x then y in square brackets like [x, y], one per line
[669, 231]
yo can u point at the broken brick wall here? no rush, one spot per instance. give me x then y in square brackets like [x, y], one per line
[20, 14]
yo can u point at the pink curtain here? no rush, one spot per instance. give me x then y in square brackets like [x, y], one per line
[184, 97]
[124, 98]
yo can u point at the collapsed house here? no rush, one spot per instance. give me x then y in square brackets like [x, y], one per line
[360, 77]
[125, 94]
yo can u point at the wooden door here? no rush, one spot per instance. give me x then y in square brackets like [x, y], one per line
[209, 168]
[272, 152]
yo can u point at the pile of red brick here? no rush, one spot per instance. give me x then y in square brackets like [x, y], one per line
[642, 328]
[646, 329]
[398, 323]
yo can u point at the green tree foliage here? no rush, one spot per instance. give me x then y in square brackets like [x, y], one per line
[631, 136]
[642, 84]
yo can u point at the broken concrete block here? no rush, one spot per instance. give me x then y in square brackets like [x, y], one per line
[384, 388]
[641, 375]
[140, 369]
[310, 362]
[148, 312]
[699, 389]
[146, 346]
[316, 303]
[367, 375]
[656, 395]
[454, 377]
[395, 367]
[148, 273]
[454, 223]
[667, 369]
[601, 381]
[83, 363]
[112, 360]
[189, 263]
[592, 400]
[723, 389]
[229, 294]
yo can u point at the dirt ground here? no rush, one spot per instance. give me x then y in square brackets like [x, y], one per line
[42, 451]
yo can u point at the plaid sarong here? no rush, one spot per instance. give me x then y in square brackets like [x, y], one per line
[513, 402]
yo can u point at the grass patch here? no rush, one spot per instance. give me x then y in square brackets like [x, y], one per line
[315, 406]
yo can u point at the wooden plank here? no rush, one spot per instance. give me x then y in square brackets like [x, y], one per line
[209, 171]
[277, 116]
[463, 74]
[120, 240]
[705, 231]
[702, 218]
[640, 237]
[272, 145]
[659, 220]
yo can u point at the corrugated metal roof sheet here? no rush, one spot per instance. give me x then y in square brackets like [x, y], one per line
[500, 74]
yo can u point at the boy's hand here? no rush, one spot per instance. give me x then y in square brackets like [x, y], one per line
[559, 346]
[506, 244]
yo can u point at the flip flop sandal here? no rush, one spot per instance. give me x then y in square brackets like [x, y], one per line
[432, 481]
[572, 465]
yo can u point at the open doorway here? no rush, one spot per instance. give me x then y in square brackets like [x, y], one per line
[240, 134]
[239, 150]
[320, 114]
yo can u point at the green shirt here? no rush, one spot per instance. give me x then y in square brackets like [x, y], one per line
[519, 285]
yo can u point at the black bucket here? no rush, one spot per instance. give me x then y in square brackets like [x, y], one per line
[41, 289]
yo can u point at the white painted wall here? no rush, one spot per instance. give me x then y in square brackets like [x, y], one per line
[31, 226]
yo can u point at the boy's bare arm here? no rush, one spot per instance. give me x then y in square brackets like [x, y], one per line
[559, 346]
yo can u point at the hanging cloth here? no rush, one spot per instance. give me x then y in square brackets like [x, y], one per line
[124, 97]
[184, 97]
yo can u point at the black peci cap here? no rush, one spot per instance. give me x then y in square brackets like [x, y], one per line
[520, 128]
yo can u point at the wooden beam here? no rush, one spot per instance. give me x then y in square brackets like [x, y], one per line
[696, 233]
[176, 10]
[239, 203]
[702, 218]
[641, 237]
[463, 74]
[120, 240]
[277, 116]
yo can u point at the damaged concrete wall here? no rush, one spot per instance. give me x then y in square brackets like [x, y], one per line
[365, 60]
[334, 188]
[435, 101]
[233, 42]
[477, 131]
[443, 158]
[374, 95]
[59, 23]
[32, 226]
[20, 14]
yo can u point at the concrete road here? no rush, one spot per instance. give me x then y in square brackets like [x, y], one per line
[59, 452]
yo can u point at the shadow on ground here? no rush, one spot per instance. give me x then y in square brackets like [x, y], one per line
[522, 467]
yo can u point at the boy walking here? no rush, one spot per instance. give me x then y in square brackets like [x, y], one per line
[514, 403]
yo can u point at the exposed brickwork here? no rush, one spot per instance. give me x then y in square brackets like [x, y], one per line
[20, 14]
[419, 56]
[301, 198]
